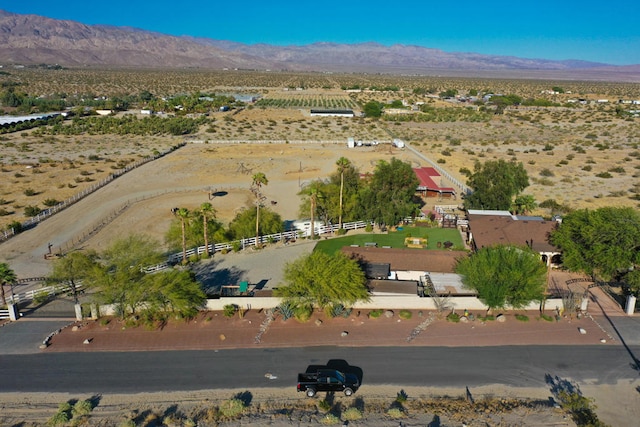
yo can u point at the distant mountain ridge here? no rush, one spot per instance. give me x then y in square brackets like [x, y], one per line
[33, 39]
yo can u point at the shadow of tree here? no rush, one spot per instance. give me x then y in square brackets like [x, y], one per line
[245, 396]
[213, 278]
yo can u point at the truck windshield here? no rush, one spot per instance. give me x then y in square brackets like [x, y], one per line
[340, 376]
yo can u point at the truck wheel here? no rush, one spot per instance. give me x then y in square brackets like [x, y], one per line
[348, 392]
[311, 392]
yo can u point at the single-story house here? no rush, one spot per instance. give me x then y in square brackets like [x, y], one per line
[410, 270]
[490, 228]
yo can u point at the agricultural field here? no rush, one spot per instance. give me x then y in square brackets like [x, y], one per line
[576, 155]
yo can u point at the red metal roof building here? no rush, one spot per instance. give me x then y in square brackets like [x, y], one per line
[427, 177]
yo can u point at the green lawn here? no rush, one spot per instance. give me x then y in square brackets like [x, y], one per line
[395, 239]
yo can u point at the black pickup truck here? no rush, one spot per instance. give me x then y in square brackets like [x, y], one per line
[327, 380]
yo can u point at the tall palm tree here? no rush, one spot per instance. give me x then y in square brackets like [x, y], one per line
[208, 212]
[343, 164]
[183, 214]
[314, 191]
[7, 276]
[259, 179]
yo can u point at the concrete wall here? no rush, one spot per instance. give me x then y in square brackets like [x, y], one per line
[410, 302]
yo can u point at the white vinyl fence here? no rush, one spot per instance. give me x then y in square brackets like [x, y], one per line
[46, 213]
[284, 236]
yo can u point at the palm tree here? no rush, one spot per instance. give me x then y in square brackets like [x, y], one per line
[208, 212]
[313, 190]
[343, 164]
[7, 276]
[259, 179]
[183, 214]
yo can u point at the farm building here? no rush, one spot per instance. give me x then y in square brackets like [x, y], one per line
[427, 185]
[11, 120]
[331, 113]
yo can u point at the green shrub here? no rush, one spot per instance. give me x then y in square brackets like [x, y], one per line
[232, 408]
[546, 317]
[341, 232]
[405, 314]
[303, 313]
[82, 407]
[522, 317]
[401, 397]
[58, 419]
[40, 297]
[368, 228]
[453, 317]
[374, 314]
[31, 211]
[352, 414]
[229, 310]
[324, 405]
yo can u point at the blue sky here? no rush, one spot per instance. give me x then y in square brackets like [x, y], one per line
[590, 30]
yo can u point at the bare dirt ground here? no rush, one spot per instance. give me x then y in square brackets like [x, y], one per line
[284, 407]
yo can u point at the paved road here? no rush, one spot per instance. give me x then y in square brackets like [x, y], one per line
[133, 372]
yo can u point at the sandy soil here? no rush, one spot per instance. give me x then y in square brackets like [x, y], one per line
[285, 407]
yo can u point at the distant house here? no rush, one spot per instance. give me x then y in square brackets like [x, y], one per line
[490, 228]
[427, 185]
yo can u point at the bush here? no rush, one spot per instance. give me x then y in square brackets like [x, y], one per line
[341, 232]
[330, 419]
[405, 314]
[368, 228]
[303, 313]
[324, 405]
[232, 408]
[82, 407]
[29, 192]
[453, 317]
[546, 317]
[396, 413]
[40, 297]
[352, 414]
[31, 211]
[522, 317]
[229, 310]
[374, 314]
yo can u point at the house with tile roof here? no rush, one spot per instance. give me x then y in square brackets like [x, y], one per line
[490, 228]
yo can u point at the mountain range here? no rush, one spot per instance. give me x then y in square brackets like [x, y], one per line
[33, 39]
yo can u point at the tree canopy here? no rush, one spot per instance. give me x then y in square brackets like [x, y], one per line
[243, 225]
[120, 278]
[372, 109]
[504, 275]
[323, 281]
[7, 276]
[73, 268]
[604, 242]
[389, 196]
[495, 183]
